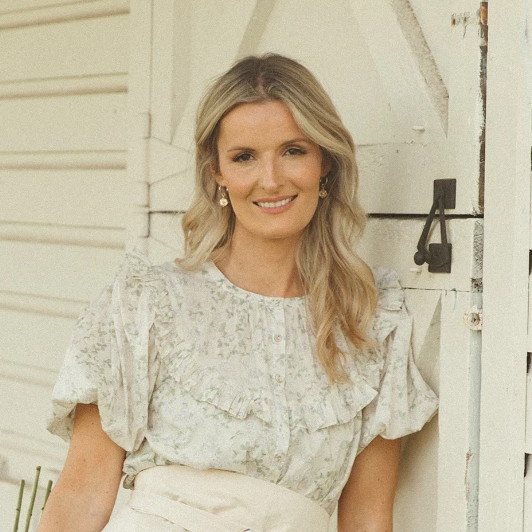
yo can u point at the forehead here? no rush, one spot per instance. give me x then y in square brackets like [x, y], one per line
[270, 119]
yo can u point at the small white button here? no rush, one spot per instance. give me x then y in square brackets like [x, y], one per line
[277, 338]
[278, 457]
[279, 378]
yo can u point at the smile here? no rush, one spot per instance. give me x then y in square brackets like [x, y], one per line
[273, 204]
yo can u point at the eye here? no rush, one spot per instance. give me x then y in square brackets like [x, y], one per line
[242, 157]
[294, 150]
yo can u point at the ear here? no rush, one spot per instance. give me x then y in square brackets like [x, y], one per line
[326, 164]
[216, 173]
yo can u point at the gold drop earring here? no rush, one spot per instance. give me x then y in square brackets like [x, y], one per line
[323, 191]
[223, 201]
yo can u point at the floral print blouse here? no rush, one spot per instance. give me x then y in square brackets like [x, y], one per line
[187, 368]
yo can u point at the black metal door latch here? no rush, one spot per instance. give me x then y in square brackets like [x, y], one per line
[438, 256]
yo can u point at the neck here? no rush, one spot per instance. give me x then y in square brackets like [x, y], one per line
[263, 267]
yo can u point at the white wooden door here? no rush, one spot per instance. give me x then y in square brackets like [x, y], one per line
[406, 76]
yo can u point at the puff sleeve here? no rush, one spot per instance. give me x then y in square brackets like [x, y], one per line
[110, 360]
[404, 402]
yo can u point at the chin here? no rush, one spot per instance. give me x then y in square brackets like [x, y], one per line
[283, 235]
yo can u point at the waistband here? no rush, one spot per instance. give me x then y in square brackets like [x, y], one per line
[214, 500]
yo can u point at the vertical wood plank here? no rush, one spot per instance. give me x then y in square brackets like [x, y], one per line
[458, 415]
[527, 514]
[528, 432]
[139, 117]
[507, 211]
[466, 117]
[171, 60]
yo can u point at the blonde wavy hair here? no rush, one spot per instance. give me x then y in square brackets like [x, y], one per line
[340, 288]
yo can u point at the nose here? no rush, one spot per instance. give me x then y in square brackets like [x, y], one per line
[270, 176]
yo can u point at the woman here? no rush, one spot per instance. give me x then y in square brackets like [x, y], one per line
[235, 387]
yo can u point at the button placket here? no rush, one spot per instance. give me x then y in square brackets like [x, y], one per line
[278, 369]
[279, 344]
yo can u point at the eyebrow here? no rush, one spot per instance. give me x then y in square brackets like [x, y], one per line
[287, 143]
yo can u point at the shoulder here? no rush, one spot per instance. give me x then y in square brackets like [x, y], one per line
[391, 310]
[165, 294]
[390, 291]
[137, 275]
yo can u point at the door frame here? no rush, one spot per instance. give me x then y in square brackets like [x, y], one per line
[505, 270]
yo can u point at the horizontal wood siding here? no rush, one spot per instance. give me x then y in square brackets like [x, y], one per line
[65, 194]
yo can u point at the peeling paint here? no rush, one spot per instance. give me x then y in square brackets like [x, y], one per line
[478, 253]
[483, 20]
[477, 285]
[483, 13]
[461, 19]
[471, 492]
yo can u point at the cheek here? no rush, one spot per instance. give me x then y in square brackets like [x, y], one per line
[238, 189]
[312, 167]
[309, 177]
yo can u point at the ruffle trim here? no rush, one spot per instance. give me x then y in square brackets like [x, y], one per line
[341, 405]
[391, 298]
[136, 266]
[138, 273]
[205, 384]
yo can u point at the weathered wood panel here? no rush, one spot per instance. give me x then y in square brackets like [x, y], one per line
[96, 198]
[506, 271]
[69, 123]
[72, 48]
[68, 272]
[33, 340]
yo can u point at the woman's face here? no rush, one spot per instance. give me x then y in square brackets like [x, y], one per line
[271, 171]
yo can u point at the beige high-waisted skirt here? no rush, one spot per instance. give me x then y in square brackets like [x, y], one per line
[177, 498]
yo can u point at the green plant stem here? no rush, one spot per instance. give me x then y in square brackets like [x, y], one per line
[19, 505]
[32, 501]
[47, 494]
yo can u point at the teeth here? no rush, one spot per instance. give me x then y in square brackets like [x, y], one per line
[272, 204]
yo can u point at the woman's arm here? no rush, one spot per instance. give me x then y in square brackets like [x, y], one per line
[85, 493]
[366, 503]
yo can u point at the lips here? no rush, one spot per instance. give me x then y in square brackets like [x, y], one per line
[275, 202]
